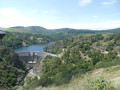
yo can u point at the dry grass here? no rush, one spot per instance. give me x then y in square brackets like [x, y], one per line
[110, 74]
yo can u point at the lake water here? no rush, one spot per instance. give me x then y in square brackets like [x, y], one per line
[33, 47]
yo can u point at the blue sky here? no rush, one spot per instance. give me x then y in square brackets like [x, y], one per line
[51, 14]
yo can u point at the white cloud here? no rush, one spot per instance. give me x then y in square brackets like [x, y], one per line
[12, 17]
[111, 2]
[83, 3]
[104, 25]
[49, 11]
[33, 11]
[95, 16]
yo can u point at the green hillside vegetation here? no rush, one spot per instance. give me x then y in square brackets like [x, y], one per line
[12, 69]
[19, 39]
[37, 29]
[58, 34]
[98, 79]
[82, 53]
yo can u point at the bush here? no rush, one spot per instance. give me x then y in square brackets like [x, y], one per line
[100, 84]
[105, 64]
[44, 81]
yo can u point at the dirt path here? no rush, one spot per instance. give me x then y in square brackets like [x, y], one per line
[61, 54]
[32, 74]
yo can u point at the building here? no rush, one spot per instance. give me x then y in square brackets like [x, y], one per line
[2, 34]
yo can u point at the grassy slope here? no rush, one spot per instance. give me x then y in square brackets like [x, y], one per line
[79, 83]
[13, 30]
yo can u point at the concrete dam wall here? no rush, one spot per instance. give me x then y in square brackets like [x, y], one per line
[30, 58]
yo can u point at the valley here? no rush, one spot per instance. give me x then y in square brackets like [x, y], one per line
[57, 34]
[76, 59]
[59, 44]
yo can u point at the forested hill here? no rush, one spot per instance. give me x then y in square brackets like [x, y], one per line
[42, 30]
[116, 30]
[12, 69]
[81, 53]
[59, 34]
[19, 39]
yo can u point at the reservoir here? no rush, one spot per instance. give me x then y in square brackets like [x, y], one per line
[33, 47]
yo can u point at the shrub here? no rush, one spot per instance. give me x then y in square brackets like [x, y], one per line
[100, 84]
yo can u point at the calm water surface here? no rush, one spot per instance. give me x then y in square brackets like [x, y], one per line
[33, 47]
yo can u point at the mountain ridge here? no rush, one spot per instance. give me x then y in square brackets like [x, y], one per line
[67, 29]
[58, 34]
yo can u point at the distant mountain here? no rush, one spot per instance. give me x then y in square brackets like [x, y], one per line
[35, 28]
[116, 30]
[68, 29]
[58, 34]
[79, 31]
[64, 29]
[18, 27]
[38, 29]
[42, 30]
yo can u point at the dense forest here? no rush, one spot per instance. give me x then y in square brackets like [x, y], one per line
[82, 53]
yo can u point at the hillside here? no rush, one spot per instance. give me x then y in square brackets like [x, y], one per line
[12, 68]
[19, 39]
[58, 34]
[32, 29]
[106, 75]
[81, 54]
[116, 30]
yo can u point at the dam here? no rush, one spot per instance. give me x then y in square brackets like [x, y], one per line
[32, 57]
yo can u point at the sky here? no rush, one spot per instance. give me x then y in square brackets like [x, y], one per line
[53, 14]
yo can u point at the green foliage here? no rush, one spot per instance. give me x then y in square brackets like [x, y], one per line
[99, 84]
[109, 63]
[108, 37]
[96, 37]
[44, 81]
[16, 39]
[57, 34]
[79, 57]
[31, 83]
[60, 34]
[54, 49]
[57, 50]
[11, 67]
